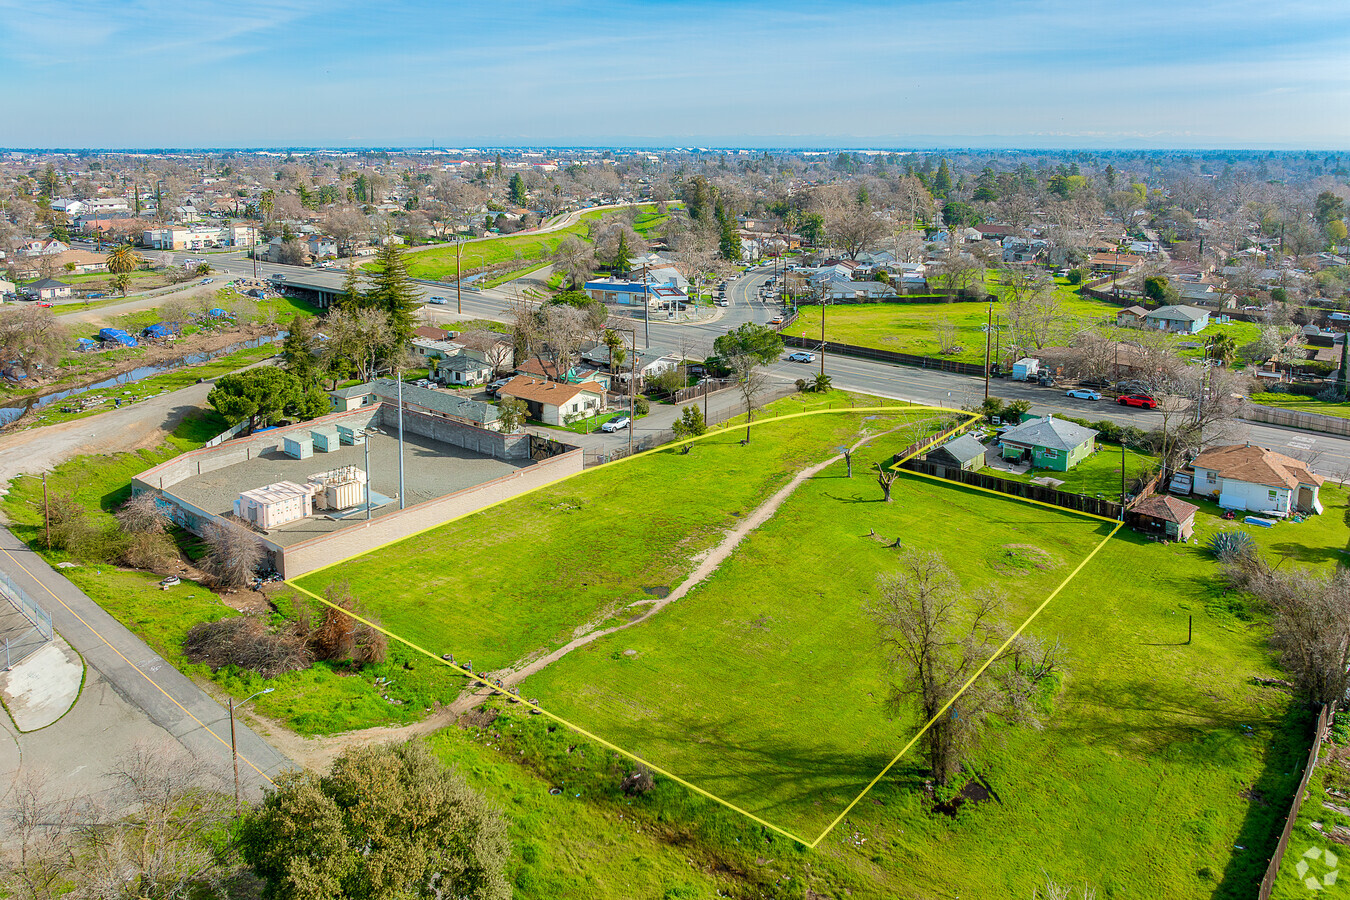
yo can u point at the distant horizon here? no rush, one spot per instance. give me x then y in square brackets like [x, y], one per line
[653, 74]
[699, 147]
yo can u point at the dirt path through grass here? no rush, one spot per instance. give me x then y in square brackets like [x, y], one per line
[710, 563]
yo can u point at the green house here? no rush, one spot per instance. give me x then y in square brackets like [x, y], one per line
[1048, 443]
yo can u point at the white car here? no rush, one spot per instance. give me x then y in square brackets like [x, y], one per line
[1083, 394]
[439, 301]
[615, 424]
[801, 356]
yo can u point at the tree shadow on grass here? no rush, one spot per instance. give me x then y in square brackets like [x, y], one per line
[1271, 794]
[799, 787]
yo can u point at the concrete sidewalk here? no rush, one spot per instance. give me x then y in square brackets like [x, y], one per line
[135, 672]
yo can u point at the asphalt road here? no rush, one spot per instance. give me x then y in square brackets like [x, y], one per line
[882, 379]
[138, 674]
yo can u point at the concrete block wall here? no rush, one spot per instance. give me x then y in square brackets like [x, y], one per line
[209, 459]
[317, 552]
[458, 434]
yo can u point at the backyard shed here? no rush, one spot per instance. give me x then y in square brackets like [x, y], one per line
[301, 446]
[1164, 516]
[965, 453]
[325, 439]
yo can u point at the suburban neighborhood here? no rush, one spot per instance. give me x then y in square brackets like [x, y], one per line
[633, 476]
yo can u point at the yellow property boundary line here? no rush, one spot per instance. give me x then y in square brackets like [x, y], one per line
[655, 768]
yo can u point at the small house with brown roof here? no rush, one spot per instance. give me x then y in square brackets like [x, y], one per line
[1164, 516]
[1254, 479]
[554, 403]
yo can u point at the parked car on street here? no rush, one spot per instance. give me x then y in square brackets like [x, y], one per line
[1141, 400]
[1083, 394]
[439, 301]
[801, 356]
[615, 424]
[496, 386]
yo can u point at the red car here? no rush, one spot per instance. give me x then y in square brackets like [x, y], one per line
[1143, 400]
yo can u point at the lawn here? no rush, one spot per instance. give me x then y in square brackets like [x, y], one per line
[909, 327]
[1159, 760]
[531, 573]
[1299, 403]
[1098, 475]
[525, 249]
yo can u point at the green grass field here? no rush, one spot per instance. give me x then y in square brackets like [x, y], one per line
[525, 249]
[1299, 403]
[504, 600]
[909, 327]
[1099, 474]
[765, 693]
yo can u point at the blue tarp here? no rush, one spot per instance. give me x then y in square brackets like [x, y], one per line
[158, 330]
[117, 334]
[87, 344]
[218, 313]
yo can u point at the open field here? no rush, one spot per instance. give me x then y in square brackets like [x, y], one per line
[1099, 474]
[1143, 781]
[505, 598]
[767, 693]
[525, 249]
[910, 327]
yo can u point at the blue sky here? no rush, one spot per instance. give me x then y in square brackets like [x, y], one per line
[1039, 73]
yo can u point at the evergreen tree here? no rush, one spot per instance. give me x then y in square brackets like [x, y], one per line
[392, 292]
[351, 296]
[518, 196]
[623, 255]
[942, 181]
[729, 241]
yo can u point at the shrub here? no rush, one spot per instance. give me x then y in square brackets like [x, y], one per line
[1229, 546]
[246, 642]
[1075, 276]
[638, 782]
[641, 406]
[154, 552]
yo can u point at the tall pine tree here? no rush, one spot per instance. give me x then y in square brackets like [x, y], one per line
[729, 240]
[623, 255]
[392, 291]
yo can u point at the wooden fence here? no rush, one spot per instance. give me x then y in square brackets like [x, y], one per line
[1292, 418]
[1040, 493]
[1273, 870]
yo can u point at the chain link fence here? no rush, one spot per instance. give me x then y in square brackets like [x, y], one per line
[21, 640]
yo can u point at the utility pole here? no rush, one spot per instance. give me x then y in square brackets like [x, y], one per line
[989, 326]
[632, 387]
[46, 513]
[402, 498]
[1122, 479]
[647, 316]
[822, 333]
[459, 297]
[253, 248]
[365, 442]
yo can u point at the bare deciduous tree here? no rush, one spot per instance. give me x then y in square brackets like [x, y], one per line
[31, 336]
[142, 514]
[750, 381]
[233, 554]
[936, 642]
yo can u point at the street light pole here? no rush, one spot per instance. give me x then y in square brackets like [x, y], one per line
[234, 748]
[365, 443]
